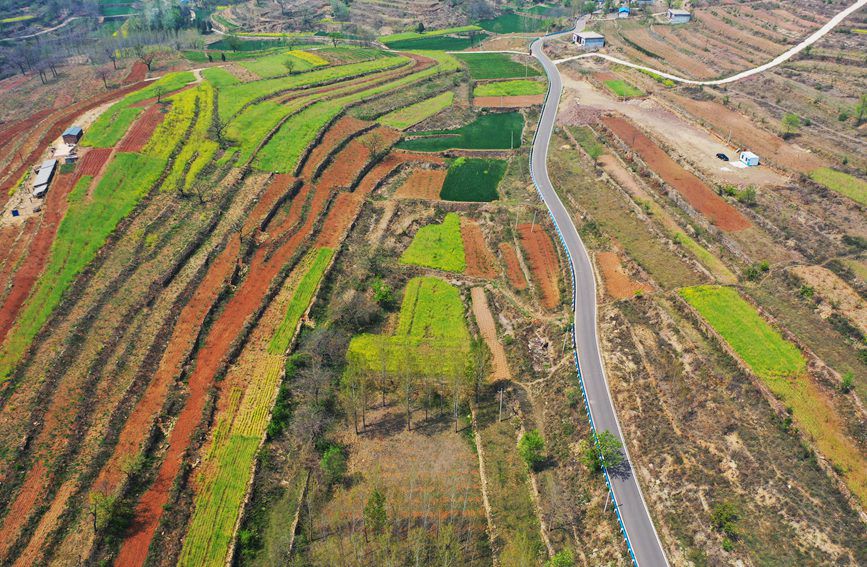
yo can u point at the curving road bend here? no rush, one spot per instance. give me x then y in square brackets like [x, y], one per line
[640, 534]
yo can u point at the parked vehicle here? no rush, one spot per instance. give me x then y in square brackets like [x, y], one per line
[722, 156]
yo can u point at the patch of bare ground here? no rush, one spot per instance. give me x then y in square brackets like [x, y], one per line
[617, 283]
[513, 266]
[543, 260]
[508, 101]
[488, 330]
[836, 294]
[480, 260]
[701, 434]
[422, 184]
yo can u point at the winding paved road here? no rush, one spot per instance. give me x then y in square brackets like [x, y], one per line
[638, 528]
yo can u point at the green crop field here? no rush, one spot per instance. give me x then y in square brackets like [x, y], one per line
[517, 87]
[226, 469]
[282, 152]
[175, 123]
[842, 183]
[431, 334]
[440, 43]
[388, 39]
[232, 98]
[499, 131]
[198, 149]
[274, 65]
[512, 23]
[623, 89]
[782, 367]
[15, 19]
[251, 126]
[112, 124]
[760, 345]
[411, 115]
[220, 77]
[82, 232]
[438, 246]
[496, 66]
[473, 180]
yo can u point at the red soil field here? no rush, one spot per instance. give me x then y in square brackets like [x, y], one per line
[267, 201]
[618, 284]
[141, 130]
[480, 260]
[341, 130]
[14, 240]
[182, 341]
[57, 123]
[92, 162]
[266, 263]
[508, 101]
[138, 73]
[544, 264]
[422, 184]
[513, 266]
[693, 189]
[349, 162]
[13, 130]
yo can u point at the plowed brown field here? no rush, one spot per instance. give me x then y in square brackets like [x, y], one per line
[138, 73]
[349, 162]
[508, 101]
[142, 130]
[480, 260]
[340, 131]
[618, 284]
[485, 320]
[422, 184]
[544, 264]
[693, 189]
[513, 266]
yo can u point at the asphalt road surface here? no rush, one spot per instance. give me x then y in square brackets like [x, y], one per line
[640, 533]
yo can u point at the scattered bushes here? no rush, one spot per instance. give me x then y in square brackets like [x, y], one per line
[531, 447]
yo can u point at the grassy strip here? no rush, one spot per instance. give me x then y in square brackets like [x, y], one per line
[496, 66]
[275, 65]
[438, 246]
[226, 469]
[14, 19]
[518, 87]
[842, 183]
[431, 334]
[411, 115]
[513, 23]
[623, 89]
[82, 232]
[232, 98]
[473, 180]
[440, 43]
[782, 367]
[112, 124]
[220, 77]
[387, 39]
[282, 152]
[499, 131]
[174, 126]
[199, 149]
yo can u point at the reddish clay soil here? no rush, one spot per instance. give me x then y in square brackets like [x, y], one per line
[508, 101]
[184, 334]
[40, 138]
[13, 130]
[138, 73]
[273, 193]
[513, 266]
[544, 264]
[485, 320]
[347, 205]
[93, 162]
[12, 82]
[693, 189]
[142, 130]
[266, 263]
[480, 260]
[618, 284]
[344, 128]
[422, 184]
[347, 164]
[745, 134]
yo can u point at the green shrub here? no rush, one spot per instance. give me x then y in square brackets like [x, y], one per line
[333, 464]
[531, 447]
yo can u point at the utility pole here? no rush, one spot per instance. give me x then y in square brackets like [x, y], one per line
[500, 416]
[533, 224]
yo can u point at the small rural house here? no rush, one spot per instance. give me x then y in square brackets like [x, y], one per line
[43, 177]
[623, 12]
[589, 40]
[676, 16]
[749, 158]
[72, 135]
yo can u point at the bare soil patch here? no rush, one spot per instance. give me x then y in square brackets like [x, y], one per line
[544, 264]
[422, 184]
[693, 189]
[340, 131]
[485, 320]
[349, 162]
[508, 101]
[137, 73]
[513, 266]
[618, 284]
[837, 293]
[141, 131]
[480, 260]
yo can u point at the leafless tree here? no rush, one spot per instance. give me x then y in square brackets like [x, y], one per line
[103, 73]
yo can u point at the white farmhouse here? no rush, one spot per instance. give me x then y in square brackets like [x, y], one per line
[676, 16]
